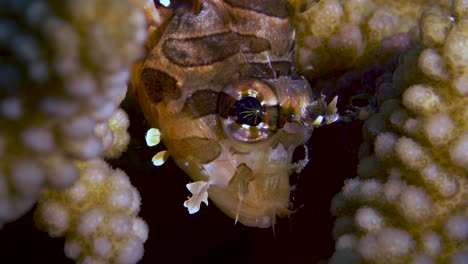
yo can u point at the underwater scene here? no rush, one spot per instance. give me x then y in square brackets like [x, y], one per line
[234, 131]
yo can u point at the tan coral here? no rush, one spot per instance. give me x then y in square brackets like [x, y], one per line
[118, 124]
[338, 35]
[98, 216]
[418, 156]
[66, 70]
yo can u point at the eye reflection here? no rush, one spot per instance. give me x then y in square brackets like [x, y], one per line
[249, 111]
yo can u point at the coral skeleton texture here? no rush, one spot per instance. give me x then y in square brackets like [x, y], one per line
[97, 216]
[402, 66]
[335, 36]
[409, 203]
[63, 74]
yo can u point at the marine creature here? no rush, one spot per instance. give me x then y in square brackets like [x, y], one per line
[220, 85]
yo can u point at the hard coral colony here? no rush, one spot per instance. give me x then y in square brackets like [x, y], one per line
[64, 72]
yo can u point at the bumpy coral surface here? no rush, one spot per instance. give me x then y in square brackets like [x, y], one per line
[116, 138]
[410, 201]
[335, 36]
[97, 216]
[63, 74]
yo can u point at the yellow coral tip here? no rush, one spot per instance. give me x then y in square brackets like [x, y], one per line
[153, 137]
[160, 158]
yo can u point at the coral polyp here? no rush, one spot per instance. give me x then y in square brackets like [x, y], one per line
[82, 83]
[63, 75]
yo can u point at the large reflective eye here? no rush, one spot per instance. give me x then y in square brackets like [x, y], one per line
[248, 111]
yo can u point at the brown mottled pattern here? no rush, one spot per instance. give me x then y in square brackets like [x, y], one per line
[252, 44]
[272, 117]
[240, 181]
[276, 8]
[205, 50]
[203, 149]
[198, 67]
[225, 103]
[284, 115]
[201, 103]
[270, 70]
[159, 85]
[253, 132]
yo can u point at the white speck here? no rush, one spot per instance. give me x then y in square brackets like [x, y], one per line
[160, 158]
[153, 137]
[165, 3]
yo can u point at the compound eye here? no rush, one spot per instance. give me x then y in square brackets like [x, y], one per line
[248, 111]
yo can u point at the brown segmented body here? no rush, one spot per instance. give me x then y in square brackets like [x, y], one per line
[190, 85]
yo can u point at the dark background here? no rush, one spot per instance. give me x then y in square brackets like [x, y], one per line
[209, 236]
